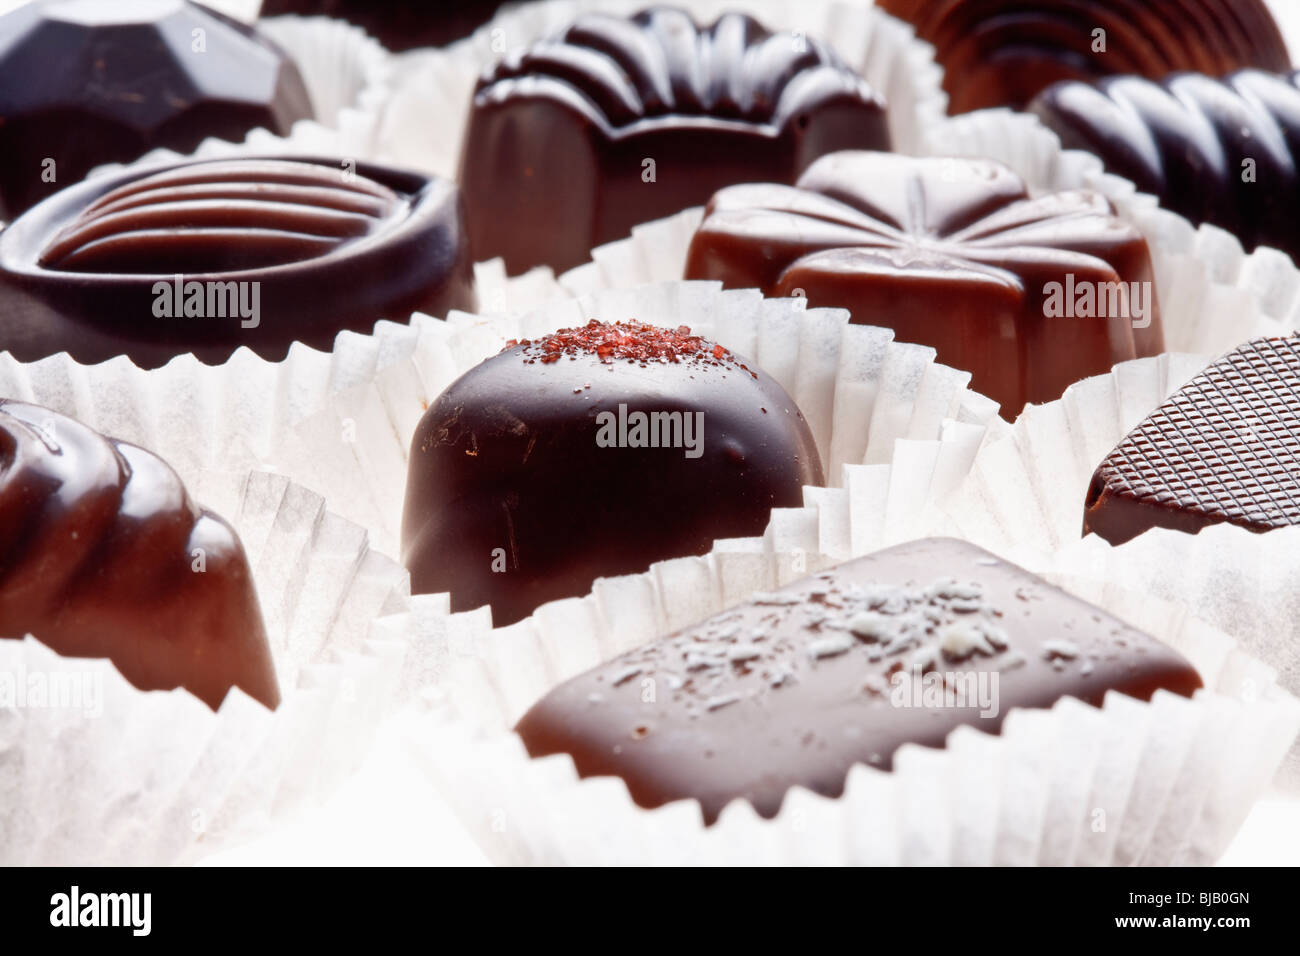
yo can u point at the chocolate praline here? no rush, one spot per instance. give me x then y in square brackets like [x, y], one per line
[1214, 151]
[1004, 52]
[794, 688]
[616, 121]
[84, 83]
[1224, 448]
[104, 554]
[1028, 294]
[594, 452]
[207, 256]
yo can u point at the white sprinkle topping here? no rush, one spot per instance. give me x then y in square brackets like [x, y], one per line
[1060, 649]
[698, 662]
[744, 652]
[953, 590]
[872, 626]
[960, 640]
[830, 646]
[717, 703]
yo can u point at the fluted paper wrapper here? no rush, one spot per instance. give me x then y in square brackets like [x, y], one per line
[440, 83]
[860, 392]
[1025, 496]
[1164, 782]
[158, 777]
[348, 76]
[1213, 296]
[122, 776]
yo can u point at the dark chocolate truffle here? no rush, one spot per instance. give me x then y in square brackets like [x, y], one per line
[210, 255]
[103, 554]
[1224, 447]
[795, 687]
[594, 452]
[618, 121]
[1003, 52]
[1215, 151]
[397, 24]
[85, 83]
[1028, 295]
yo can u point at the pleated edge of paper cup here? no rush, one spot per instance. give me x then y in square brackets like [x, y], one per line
[553, 784]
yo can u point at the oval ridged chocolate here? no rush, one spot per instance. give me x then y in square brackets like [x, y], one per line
[221, 217]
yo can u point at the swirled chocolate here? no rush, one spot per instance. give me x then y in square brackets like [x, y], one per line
[795, 687]
[594, 452]
[618, 121]
[1223, 448]
[1027, 294]
[1225, 152]
[1004, 52]
[103, 554]
[85, 83]
[207, 256]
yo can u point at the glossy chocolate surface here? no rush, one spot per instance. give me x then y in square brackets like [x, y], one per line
[950, 253]
[561, 137]
[1004, 52]
[794, 688]
[397, 24]
[1218, 151]
[1224, 447]
[515, 496]
[269, 251]
[84, 83]
[103, 554]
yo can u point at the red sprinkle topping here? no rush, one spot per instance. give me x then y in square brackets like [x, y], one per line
[633, 341]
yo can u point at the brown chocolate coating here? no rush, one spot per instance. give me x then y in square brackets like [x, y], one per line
[1003, 53]
[1224, 447]
[521, 490]
[84, 83]
[560, 137]
[268, 251]
[950, 253]
[397, 24]
[794, 688]
[1218, 151]
[103, 554]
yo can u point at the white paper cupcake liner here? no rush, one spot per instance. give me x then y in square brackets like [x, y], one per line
[1165, 782]
[348, 76]
[859, 390]
[1213, 296]
[440, 83]
[1025, 496]
[124, 776]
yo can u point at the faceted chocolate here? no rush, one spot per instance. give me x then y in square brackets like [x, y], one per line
[105, 555]
[1224, 447]
[794, 687]
[1004, 52]
[594, 452]
[1023, 293]
[207, 256]
[618, 121]
[1215, 151]
[85, 83]
[397, 24]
